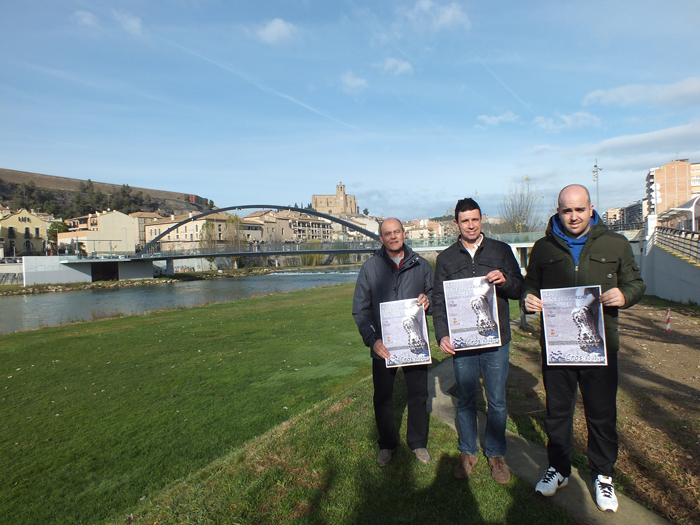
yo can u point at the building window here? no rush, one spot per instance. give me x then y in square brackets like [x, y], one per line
[11, 232]
[27, 235]
[695, 180]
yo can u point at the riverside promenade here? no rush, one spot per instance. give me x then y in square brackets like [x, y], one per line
[528, 461]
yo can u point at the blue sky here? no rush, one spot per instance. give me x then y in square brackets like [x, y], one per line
[411, 104]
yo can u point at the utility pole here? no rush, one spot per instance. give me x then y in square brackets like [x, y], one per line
[596, 171]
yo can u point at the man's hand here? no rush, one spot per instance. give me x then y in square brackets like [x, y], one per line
[496, 277]
[423, 301]
[534, 304]
[379, 349]
[613, 297]
[446, 346]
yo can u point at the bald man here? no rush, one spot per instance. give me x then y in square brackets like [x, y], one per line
[394, 273]
[579, 250]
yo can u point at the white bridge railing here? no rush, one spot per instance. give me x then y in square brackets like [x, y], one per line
[684, 243]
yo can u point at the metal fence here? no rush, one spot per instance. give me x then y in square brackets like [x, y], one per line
[681, 242]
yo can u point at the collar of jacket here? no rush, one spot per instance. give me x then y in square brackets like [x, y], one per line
[596, 231]
[464, 250]
[409, 258]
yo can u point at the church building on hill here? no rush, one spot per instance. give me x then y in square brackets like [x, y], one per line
[340, 204]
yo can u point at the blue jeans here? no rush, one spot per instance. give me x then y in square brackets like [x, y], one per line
[493, 364]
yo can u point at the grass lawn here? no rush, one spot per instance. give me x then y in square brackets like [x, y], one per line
[320, 468]
[95, 416]
[100, 419]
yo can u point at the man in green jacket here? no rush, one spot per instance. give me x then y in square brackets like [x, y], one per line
[579, 250]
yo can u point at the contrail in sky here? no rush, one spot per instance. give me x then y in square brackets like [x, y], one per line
[504, 85]
[261, 87]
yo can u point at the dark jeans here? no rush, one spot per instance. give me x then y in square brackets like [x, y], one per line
[598, 386]
[417, 387]
[493, 365]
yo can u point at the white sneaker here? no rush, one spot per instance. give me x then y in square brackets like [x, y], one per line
[550, 482]
[605, 497]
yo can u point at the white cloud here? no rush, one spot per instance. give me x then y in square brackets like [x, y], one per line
[685, 93]
[353, 84]
[396, 66]
[669, 141]
[129, 22]
[426, 14]
[276, 31]
[543, 149]
[86, 19]
[576, 120]
[508, 116]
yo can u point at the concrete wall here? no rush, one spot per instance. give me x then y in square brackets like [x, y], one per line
[48, 270]
[135, 270]
[11, 268]
[670, 277]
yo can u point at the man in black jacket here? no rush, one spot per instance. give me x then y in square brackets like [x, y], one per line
[475, 255]
[392, 274]
[579, 250]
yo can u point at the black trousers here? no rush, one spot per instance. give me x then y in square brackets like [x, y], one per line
[417, 389]
[598, 386]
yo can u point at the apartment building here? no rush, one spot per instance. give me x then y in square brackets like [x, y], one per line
[187, 236]
[671, 185]
[106, 232]
[141, 219]
[22, 233]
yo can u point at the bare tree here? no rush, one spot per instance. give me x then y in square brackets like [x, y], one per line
[233, 235]
[521, 207]
[207, 239]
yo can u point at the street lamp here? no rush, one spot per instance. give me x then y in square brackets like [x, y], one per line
[596, 171]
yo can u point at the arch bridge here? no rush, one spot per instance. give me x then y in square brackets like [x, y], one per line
[274, 249]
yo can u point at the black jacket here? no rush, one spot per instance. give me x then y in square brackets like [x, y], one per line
[606, 259]
[456, 263]
[380, 281]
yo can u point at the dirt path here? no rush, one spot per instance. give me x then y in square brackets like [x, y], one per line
[658, 408]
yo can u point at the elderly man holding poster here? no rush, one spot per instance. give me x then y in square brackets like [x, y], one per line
[395, 273]
[579, 257]
[476, 256]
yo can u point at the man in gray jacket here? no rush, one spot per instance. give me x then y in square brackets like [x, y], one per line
[392, 274]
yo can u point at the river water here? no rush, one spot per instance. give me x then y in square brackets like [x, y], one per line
[26, 312]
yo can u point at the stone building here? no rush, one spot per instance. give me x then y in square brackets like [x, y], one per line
[340, 204]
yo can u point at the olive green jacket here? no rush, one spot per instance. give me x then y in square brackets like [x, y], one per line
[606, 260]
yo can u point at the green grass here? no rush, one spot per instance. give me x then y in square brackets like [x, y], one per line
[320, 468]
[94, 416]
[98, 417]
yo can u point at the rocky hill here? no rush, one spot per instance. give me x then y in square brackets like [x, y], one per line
[65, 197]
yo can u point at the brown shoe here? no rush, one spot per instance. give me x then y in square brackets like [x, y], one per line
[499, 471]
[464, 468]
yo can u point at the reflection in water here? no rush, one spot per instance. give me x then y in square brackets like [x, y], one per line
[25, 312]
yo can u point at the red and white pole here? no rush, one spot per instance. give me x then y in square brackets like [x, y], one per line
[668, 320]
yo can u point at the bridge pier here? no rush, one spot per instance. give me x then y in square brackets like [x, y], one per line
[170, 267]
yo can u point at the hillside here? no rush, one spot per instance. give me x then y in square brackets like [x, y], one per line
[67, 197]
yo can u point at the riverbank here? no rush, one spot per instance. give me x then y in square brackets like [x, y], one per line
[16, 289]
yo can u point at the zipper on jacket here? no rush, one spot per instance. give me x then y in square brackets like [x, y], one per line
[576, 275]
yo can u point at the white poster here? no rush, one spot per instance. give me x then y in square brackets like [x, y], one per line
[472, 313]
[573, 326]
[405, 333]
